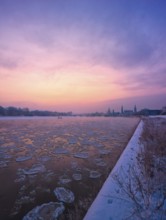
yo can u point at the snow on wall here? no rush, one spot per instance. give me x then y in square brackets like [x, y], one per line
[111, 203]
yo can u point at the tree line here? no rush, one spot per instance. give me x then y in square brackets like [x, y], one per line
[14, 111]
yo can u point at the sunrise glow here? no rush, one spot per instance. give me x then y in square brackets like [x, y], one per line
[59, 54]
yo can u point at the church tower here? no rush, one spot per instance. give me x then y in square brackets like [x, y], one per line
[109, 111]
[122, 110]
[135, 109]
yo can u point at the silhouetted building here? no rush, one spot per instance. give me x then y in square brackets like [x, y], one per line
[122, 109]
[128, 112]
[163, 111]
[113, 112]
[135, 109]
[147, 112]
[109, 111]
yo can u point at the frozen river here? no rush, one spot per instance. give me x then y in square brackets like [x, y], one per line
[49, 160]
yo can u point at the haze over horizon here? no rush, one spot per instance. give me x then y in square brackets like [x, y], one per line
[82, 56]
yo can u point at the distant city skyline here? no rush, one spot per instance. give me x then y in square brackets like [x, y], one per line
[145, 102]
[82, 56]
[127, 103]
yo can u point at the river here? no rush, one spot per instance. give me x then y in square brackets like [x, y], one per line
[41, 154]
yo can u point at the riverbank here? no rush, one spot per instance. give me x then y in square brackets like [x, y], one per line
[135, 189]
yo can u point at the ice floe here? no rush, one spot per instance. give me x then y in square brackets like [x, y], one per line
[103, 138]
[51, 210]
[61, 151]
[44, 158]
[94, 174]
[72, 141]
[100, 162]
[104, 151]
[64, 180]
[48, 176]
[83, 155]
[26, 199]
[77, 176]
[23, 158]
[7, 156]
[29, 146]
[85, 142]
[64, 195]
[22, 199]
[36, 168]
[90, 133]
[74, 164]
[98, 145]
[20, 179]
[3, 164]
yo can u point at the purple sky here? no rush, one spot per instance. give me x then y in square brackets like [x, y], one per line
[83, 55]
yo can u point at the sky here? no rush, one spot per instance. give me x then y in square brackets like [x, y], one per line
[82, 55]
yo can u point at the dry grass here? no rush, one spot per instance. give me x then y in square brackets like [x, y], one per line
[145, 184]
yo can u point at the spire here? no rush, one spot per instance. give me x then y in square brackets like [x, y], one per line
[109, 111]
[122, 109]
[135, 109]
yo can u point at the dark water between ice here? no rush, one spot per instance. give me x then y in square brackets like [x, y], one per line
[37, 155]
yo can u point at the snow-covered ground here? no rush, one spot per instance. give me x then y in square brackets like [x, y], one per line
[111, 203]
